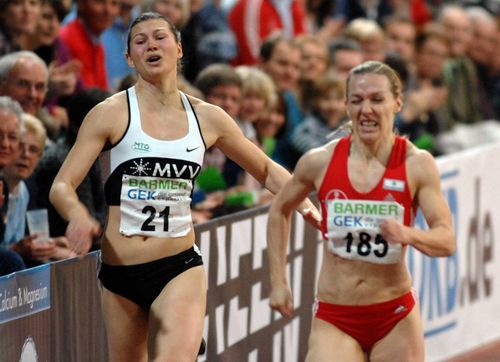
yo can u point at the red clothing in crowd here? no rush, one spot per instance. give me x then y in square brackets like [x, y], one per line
[88, 51]
[253, 20]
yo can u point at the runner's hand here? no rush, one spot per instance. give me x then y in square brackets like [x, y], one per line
[281, 300]
[80, 234]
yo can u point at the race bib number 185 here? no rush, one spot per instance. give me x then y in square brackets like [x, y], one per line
[354, 230]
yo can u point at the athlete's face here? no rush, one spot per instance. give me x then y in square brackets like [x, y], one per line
[371, 106]
[153, 48]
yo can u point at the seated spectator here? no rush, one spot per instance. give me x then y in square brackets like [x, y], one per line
[24, 78]
[344, 54]
[17, 18]
[90, 191]
[82, 37]
[269, 126]
[326, 112]
[280, 59]
[460, 74]
[221, 86]
[400, 34]
[33, 252]
[482, 51]
[10, 131]
[313, 64]
[422, 116]
[258, 95]
[63, 70]
[370, 36]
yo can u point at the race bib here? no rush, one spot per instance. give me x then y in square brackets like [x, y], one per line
[354, 230]
[154, 206]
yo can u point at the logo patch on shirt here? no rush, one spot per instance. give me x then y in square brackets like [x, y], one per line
[395, 185]
[188, 149]
[141, 147]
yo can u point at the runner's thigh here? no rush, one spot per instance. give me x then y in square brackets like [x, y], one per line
[405, 342]
[328, 343]
[176, 318]
[126, 328]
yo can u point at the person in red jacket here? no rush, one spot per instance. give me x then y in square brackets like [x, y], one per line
[369, 185]
[82, 37]
[252, 21]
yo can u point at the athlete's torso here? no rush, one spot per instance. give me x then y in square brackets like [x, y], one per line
[348, 214]
[151, 180]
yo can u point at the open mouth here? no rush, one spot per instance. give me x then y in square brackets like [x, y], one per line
[152, 59]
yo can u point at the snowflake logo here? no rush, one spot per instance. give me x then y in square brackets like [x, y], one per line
[140, 169]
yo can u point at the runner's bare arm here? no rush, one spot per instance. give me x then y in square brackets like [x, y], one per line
[92, 136]
[226, 135]
[439, 239]
[278, 229]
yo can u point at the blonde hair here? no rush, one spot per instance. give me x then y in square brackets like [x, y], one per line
[256, 82]
[35, 126]
[364, 30]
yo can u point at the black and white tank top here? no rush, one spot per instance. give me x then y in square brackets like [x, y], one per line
[152, 180]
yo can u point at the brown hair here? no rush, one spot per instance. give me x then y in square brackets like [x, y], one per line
[152, 16]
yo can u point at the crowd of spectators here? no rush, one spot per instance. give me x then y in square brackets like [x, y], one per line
[278, 68]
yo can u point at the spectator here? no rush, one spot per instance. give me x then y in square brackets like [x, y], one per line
[326, 112]
[344, 54]
[258, 95]
[33, 252]
[82, 37]
[400, 34]
[114, 40]
[314, 57]
[10, 130]
[422, 117]
[90, 190]
[370, 37]
[31, 148]
[269, 125]
[17, 18]
[483, 52]
[24, 78]
[280, 59]
[313, 64]
[253, 21]
[63, 70]
[459, 72]
[221, 86]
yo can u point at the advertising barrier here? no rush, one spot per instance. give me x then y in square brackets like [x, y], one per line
[53, 313]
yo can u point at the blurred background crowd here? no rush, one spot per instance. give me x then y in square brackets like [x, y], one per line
[278, 67]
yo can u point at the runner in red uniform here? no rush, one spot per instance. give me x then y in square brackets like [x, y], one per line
[369, 185]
